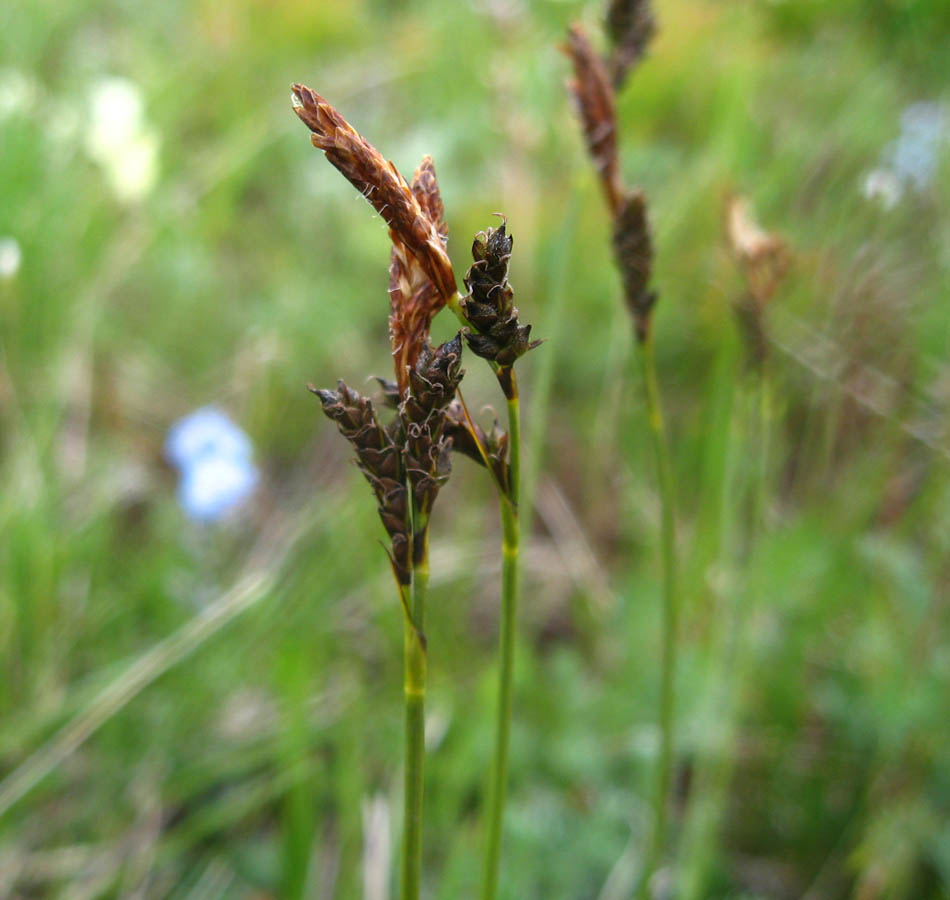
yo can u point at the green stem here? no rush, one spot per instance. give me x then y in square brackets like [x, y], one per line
[712, 775]
[668, 652]
[415, 689]
[509, 602]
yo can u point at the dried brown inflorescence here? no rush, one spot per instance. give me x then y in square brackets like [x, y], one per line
[408, 460]
[489, 305]
[596, 106]
[762, 256]
[764, 261]
[380, 182]
[631, 26]
[413, 297]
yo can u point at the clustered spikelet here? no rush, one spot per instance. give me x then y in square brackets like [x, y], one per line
[411, 452]
[489, 305]
[408, 460]
[380, 182]
[413, 297]
[630, 26]
[432, 385]
[379, 458]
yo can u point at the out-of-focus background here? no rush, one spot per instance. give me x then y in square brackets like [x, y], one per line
[199, 642]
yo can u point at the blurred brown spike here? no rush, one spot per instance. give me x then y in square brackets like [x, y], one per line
[764, 260]
[379, 182]
[631, 26]
[633, 249]
[413, 298]
[762, 256]
[594, 98]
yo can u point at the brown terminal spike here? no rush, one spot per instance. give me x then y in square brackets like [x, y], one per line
[413, 298]
[379, 182]
[594, 99]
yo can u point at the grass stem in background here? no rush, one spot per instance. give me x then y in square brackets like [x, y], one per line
[763, 260]
[630, 28]
[664, 775]
[731, 653]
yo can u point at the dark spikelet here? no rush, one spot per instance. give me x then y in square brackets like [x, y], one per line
[633, 249]
[413, 298]
[631, 26]
[380, 460]
[594, 99]
[379, 182]
[432, 386]
[489, 306]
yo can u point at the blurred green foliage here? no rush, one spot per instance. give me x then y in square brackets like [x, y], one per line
[246, 767]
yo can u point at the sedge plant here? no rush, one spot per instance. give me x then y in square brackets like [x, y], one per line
[630, 28]
[494, 333]
[407, 460]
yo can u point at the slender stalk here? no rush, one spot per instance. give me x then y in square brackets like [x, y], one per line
[415, 690]
[509, 602]
[713, 775]
[670, 612]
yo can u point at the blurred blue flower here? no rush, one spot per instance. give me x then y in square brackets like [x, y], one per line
[214, 485]
[913, 160]
[925, 132]
[214, 457]
[205, 432]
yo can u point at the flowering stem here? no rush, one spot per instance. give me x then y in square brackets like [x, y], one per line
[509, 600]
[668, 651]
[415, 690]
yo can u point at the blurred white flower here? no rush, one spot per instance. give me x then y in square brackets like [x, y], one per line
[10, 257]
[120, 139]
[883, 185]
[214, 457]
[117, 115]
[18, 92]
